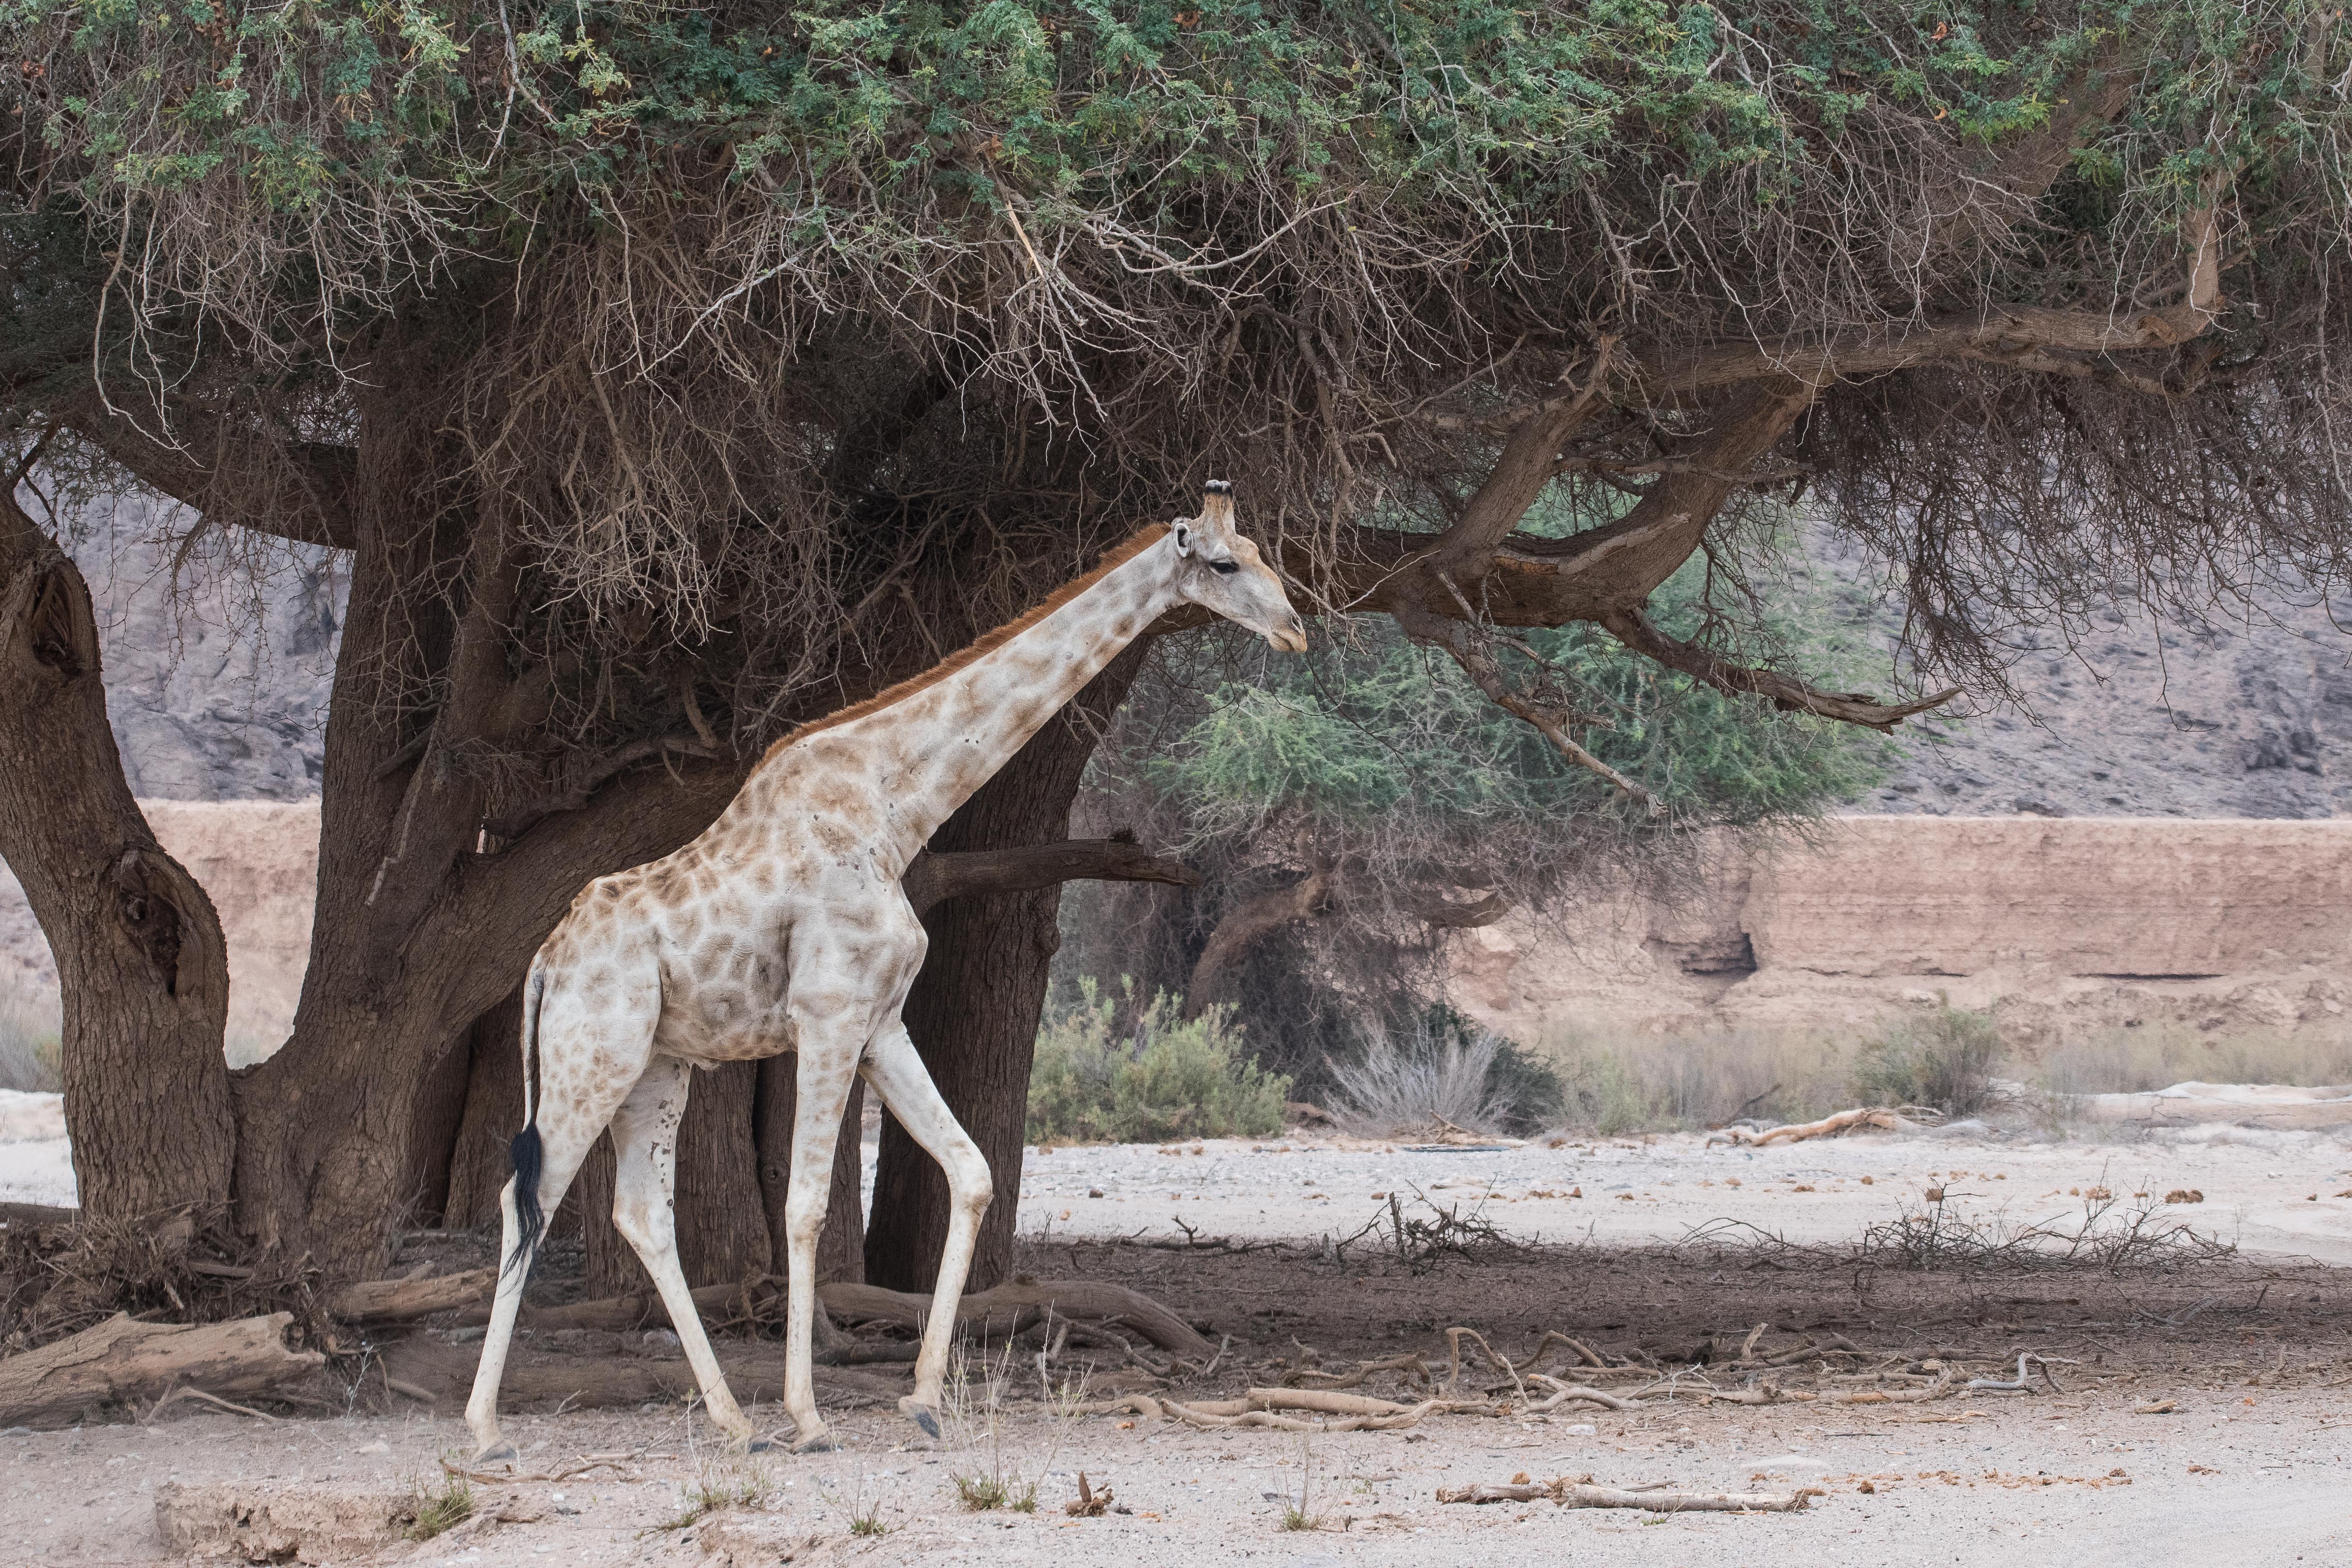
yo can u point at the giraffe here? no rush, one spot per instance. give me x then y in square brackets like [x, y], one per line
[783, 927]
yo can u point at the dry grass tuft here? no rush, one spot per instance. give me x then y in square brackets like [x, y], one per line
[28, 1045]
[1428, 1080]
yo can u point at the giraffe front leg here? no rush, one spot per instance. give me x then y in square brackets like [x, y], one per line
[826, 1068]
[898, 1076]
[645, 1146]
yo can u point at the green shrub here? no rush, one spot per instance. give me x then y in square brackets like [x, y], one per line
[1170, 1077]
[1945, 1059]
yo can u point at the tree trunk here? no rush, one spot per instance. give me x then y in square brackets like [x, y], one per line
[974, 1008]
[418, 932]
[140, 962]
[722, 1225]
[490, 1117]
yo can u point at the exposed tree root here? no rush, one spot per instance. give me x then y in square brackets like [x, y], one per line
[1081, 1300]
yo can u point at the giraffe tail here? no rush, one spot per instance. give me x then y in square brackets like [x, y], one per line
[524, 1152]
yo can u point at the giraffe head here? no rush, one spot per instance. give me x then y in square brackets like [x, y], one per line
[1219, 570]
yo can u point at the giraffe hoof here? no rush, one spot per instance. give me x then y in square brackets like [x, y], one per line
[496, 1453]
[823, 1443]
[922, 1416]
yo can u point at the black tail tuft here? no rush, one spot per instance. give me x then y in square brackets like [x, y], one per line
[530, 1223]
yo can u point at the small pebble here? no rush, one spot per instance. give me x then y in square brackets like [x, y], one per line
[378, 1447]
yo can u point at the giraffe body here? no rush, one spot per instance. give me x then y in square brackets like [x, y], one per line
[783, 927]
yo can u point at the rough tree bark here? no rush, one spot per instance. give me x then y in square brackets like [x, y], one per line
[138, 945]
[418, 932]
[973, 1011]
[475, 1148]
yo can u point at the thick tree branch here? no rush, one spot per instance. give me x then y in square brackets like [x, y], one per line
[585, 777]
[1302, 900]
[314, 502]
[935, 878]
[1634, 627]
[2012, 334]
[1521, 470]
[1434, 907]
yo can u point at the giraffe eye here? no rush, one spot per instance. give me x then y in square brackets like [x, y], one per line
[1224, 568]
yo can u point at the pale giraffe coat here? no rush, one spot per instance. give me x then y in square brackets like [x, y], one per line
[783, 927]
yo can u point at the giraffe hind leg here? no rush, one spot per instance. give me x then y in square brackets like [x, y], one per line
[644, 1142]
[586, 1065]
[560, 1153]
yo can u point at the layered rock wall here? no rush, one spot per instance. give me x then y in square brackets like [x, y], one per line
[2069, 928]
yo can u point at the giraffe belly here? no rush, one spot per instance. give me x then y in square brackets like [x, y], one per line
[737, 1015]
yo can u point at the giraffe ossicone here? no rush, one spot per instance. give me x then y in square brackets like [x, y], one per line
[783, 927]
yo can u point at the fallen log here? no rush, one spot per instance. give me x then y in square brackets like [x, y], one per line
[1881, 1119]
[1091, 1300]
[396, 1301]
[719, 1306]
[1584, 1494]
[36, 1215]
[119, 1361]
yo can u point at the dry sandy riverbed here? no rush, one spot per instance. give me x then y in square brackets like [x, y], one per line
[2245, 1466]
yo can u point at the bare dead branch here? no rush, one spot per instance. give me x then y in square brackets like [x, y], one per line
[1634, 627]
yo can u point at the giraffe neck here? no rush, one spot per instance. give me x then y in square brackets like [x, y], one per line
[939, 745]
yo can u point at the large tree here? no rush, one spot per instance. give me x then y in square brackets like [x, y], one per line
[674, 376]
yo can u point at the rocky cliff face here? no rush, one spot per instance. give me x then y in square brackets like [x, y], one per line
[2250, 715]
[2068, 929]
[216, 672]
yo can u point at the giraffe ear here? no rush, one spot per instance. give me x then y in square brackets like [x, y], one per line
[1183, 528]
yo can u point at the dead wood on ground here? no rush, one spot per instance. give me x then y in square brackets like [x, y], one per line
[1882, 1119]
[1582, 1493]
[123, 1361]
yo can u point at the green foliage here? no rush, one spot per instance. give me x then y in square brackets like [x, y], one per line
[1943, 1060]
[443, 122]
[1167, 1077]
[1386, 729]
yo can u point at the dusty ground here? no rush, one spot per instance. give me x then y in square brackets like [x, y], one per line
[2245, 1467]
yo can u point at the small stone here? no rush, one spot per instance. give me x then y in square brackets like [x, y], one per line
[1584, 1429]
[17, 1432]
[1094, 1192]
[378, 1447]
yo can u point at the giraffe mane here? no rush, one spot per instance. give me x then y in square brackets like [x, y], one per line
[986, 643]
